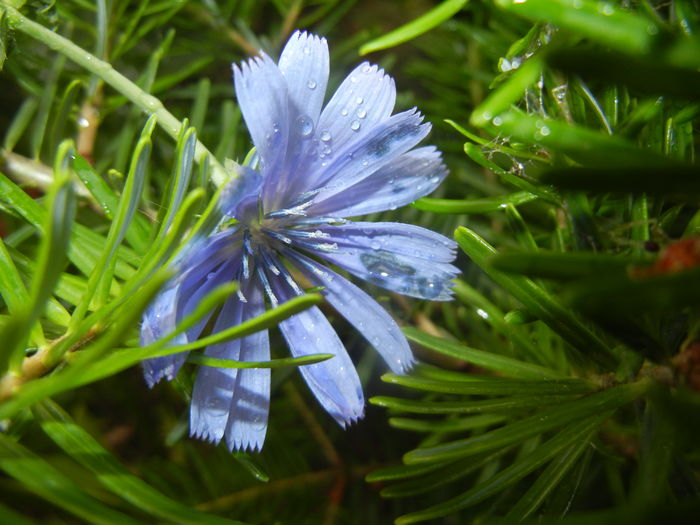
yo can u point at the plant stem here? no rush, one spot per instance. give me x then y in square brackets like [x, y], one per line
[147, 102]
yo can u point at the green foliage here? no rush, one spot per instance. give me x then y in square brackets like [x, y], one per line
[562, 381]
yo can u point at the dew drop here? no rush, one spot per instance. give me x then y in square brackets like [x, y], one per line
[364, 163]
[305, 125]
[325, 135]
[311, 84]
[434, 180]
[83, 122]
[344, 112]
[361, 113]
[375, 245]
[497, 121]
[307, 50]
[359, 100]
[544, 131]
[353, 79]
[355, 125]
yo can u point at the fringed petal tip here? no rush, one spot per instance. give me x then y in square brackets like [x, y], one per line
[403, 367]
[245, 444]
[347, 420]
[205, 435]
[252, 442]
[153, 372]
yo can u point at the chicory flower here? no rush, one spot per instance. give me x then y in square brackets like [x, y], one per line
[317, 166]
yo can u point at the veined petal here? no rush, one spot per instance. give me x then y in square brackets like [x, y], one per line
[404, 258]
[231, 402]
[385, 142]
[363, 312]
[365, 98]
[409, 177]
[210, 264]
[304, 65]
[262, 95]
[334, 382]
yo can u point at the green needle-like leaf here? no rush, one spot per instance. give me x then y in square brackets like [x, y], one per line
[79, 445]
[47, 482]
[539, 302]
[490, 361]
[416, 27]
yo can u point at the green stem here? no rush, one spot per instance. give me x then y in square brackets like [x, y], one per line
[147, 102]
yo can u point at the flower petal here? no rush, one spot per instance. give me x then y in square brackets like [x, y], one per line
[334, 382]
[228, 401]
[384, 143]
[377, 94]
[304, 66]
[159, 320]
[262, 96]
[404, 258]
[211, 263]
[409, 177]
[363, 312]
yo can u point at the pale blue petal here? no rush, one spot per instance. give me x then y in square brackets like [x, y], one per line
[334, 382]
[387, 141]
[230, 402]
[211, 264]
[404, 258]
[159, 320]
[247, 423]
[334, 130]
[240, 193]
[304, 65]
[363, 312]
[409, 177]
[262, 96]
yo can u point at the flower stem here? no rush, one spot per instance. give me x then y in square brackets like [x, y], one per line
[147, 102]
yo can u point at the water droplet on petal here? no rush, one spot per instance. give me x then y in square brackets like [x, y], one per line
[304, 125]
[355, 125]
[361, 113]
[375, 245]
[325, 135]
[311, 84]
[344, 112]
[307, 50]
[434, 180]
[359, 100]
[353, 79]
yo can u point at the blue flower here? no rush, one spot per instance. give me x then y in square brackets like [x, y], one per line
[317, 166]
